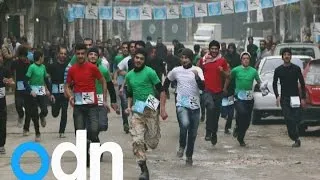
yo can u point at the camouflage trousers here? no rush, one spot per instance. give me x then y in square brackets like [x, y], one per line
[145, 131]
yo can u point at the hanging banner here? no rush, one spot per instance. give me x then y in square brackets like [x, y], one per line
[279, 2]
[119, 13]
[92, 12]
[79, 11]
[160, 13]
[133, 13]
[70, 14]
[227, 6]
[292, 1]
[187, 10]
[105, 13]
[253, 5]
[266, 3]
[240, 6]
[214, 9]
[173, 12]
[200, 10]
[145, 12]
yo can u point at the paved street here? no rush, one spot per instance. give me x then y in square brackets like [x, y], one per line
[268, 155]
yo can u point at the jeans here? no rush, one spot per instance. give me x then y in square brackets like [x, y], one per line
[20, 103]
[3, 125]
[213, 107]
[202, 105]
[87, 116]
[124, 106]
[243, 116]
[292, 117]
[103, 118]
[227, 112]
[188, 123]
[32, 104]
[60, 103]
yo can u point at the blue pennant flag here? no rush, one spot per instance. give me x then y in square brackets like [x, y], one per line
[105, 12]
[133, 13]
[240, 6]
[160, 13]
[187, 11]
[214, 9]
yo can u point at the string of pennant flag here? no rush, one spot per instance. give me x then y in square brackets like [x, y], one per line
[187, 10]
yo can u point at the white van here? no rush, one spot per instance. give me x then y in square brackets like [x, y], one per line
[206, 32]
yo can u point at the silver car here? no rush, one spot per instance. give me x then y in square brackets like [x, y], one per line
[265, 106]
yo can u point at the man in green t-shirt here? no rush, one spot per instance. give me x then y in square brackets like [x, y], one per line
[37, 84]
[142, 84]
[244, 75]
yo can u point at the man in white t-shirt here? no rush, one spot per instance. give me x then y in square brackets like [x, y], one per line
[190, 81]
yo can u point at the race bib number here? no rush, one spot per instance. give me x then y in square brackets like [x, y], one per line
[84, 98]
[294, 101]
[2, 92]
[152, 102]
[190, 102]
[61, 88]
[139, 106]
[20, 86]
[100, 99]
[39, 90]
[57, 88]
[228, 101]
[245, 95]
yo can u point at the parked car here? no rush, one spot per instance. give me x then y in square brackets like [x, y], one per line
[265, 106]
[307, 49]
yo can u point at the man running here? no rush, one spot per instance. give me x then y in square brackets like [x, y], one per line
[59, 101]
[243, 76]
[143, 83]
[82, 76]
[290, 99]
[214, 67]
[190, 81]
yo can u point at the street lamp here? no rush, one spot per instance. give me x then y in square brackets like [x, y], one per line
[37, 19]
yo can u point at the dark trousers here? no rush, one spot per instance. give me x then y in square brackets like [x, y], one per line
[243, 116]
[60, 103]
[19, 100]
[32, 104]
[213, 107]
[124, 106]
[188, 123]
[3, 125]
[292, 117]
[227, 112]
[202, 105]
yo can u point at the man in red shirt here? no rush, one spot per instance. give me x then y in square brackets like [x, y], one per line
[213, 66]
[82, 77]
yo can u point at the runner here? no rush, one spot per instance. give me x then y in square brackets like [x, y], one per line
[36, 84]
[5, 80]
[214, 67]
[82, 76]
[244, 75]
[290, 99]
[59, 101]
[190, 81]
[20, 67]
[143, 83]
[204, 51]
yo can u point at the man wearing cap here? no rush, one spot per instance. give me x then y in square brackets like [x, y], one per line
[290, 99]
[243, 76]
[190, 81]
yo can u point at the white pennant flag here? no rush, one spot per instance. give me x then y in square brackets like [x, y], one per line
[173, 12]
[145, 12]
[227, 6]
[279, 2]
[201, 10]
[119, 13]
[253, 5]
[92, 12]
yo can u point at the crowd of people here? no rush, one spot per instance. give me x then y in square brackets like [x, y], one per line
[208, 82]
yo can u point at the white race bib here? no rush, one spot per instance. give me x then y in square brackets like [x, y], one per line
[152, 102]
[84, 98]
[20, 86]
[61, 88]
[191, 102]
[57, 88]
[2, 92]
[245, 95]
[228, 101]
[295, 101]
[100, 99]
[39, 90]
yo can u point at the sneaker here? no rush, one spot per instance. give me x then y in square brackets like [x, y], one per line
[43, 121]
[38, 138]
[126, 128]
[61, 135]
[235, 132]
[2, 150]
[296, 144]
[241, 142]
[227, 131]
[25, 133]
[202, 118]
[20, 121]
[208, 136]
[180, 152]
[189, 161]
[214, 139]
